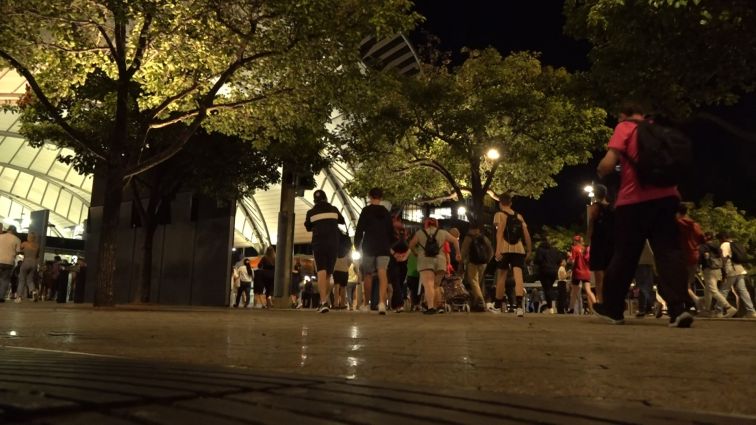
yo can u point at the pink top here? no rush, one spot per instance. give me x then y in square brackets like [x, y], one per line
[625, 141]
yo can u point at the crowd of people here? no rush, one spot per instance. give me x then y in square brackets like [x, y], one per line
[31, 278]
[640, 234]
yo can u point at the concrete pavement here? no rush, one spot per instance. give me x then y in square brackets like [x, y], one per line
[560, 359]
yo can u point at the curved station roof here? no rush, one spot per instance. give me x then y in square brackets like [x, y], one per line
[33, 179]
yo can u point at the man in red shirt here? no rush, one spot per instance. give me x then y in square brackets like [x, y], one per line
[642, 212]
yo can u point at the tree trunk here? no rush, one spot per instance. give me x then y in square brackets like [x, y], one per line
[144, 288]
[106, 256]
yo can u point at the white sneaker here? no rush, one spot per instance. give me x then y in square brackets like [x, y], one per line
[323, 308]
[382, 309]
[18, 299]
[491, 309]
[399, 310]
[520, 312]
[299, 306]
[364, 308]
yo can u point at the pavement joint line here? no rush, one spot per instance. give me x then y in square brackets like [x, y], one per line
[48, 350]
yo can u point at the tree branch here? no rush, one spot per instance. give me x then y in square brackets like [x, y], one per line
[727, 126]
[76, 138]
[222, 106]
[490, 177]
[109, 42]
[136, 63]
[201, 114]
[167, 102]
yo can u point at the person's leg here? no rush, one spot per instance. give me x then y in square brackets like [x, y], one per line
[382, 266]
[574, 294]
[589, 294]
[501, 279]
[438, 290]
[669, 255]
[474, 273]
[547, 283]
[712, 287]
[428, 280]
[238, 295]
[598, 276]
[743, 295]
[561, 297]
[692, 270]
[323, 286]
[519, 286]
[367, 285]
[630, 235]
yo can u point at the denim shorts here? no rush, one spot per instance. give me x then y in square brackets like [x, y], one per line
[371, 264]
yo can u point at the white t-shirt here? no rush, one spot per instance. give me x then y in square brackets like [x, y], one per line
[731, 268]
[9, 247]
[243, 275]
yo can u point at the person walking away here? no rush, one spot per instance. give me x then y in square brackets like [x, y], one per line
[246, 275]
[581, 273]
[323, 221]
[712, 264]
[234, 283]
[373, 237]
[645, 209]
[548, 260]
[431, 260]
[562, 297]
[413, 280]
[397, 269]
[10, 244]
[264, 278]
[14, 280]
[477, 252]
[691, 237]
[352, 286]
[735, 273]
[296, 280]
[453, 264]
[644, 281]
[600, 235]
[61, 292]
[341, 279]
[30, 249]
[513, 245]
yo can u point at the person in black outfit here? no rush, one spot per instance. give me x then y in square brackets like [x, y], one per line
[601, 235]
[397, 269]
[323, 221]
[547, 259]
[373, 237]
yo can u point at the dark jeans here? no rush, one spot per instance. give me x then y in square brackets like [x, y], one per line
[644, 280]
[562, 297]
[396, 275]
[413, 285]
[62, 287]
[244, 288]
[547, 283]
[655, 221]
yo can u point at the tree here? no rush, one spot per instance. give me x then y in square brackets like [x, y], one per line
[137, 66]
[429, 136]
[726, 218]
[678, 55]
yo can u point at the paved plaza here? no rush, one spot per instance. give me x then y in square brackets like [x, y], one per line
[559, 364]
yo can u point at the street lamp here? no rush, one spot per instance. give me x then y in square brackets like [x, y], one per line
[493, 154]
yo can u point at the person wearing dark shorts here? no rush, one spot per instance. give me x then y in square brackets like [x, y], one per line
[323, 221]
[513, 244]
[600, 233]
[341, 279]
[373, 237]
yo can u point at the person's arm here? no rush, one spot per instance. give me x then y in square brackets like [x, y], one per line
[490, 247]
[455, 243]
[358, 232]
[465, 249]
[593, 211]
[413, 241]
[501, 223]
[308, 222]
[526, 234]
[341, 217]
[608, 163]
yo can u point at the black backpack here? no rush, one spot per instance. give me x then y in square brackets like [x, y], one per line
[714, 260]
[739, 255]
[664, 155]
[513, 232]
[479, 251]
[431, 248]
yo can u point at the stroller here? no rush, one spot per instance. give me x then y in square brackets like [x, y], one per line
[456, 296]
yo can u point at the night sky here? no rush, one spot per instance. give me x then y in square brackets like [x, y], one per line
[725, 164]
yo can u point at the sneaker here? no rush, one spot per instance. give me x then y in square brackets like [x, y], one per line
[236, 305]
[323, 308]
[257, 306]
[492, 309]
[399, 310]
[731, 311]
[684, 320]
[299, 306]
[430, 311]
[750, 315]
[520, 312]
[17, 300]
[638, 315]
[364, 308]
[440, 310]
[382, 309]
[599, 310]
